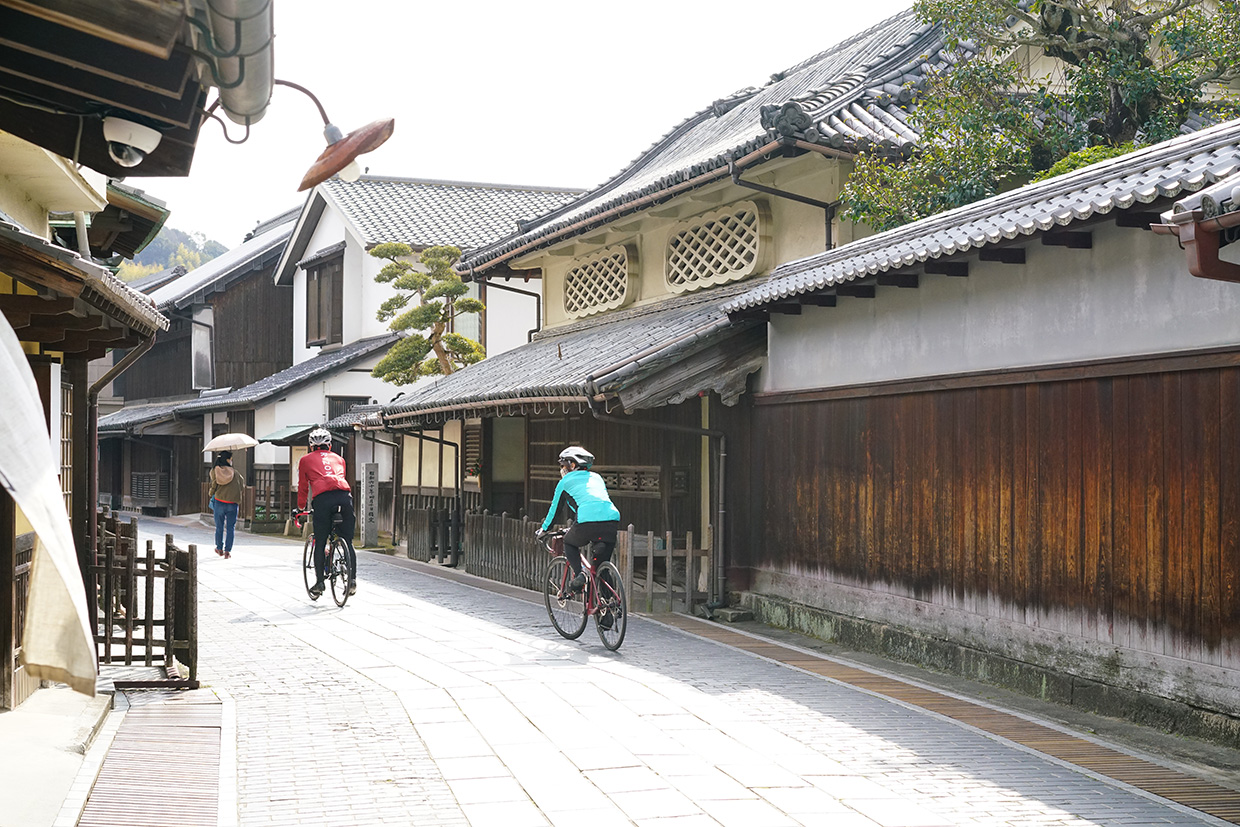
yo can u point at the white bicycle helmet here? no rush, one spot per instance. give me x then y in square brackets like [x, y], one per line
[577, 454]
[320, 436]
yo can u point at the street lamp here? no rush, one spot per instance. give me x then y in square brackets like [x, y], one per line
[340, 156]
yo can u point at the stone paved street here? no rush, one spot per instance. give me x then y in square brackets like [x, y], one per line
[429, 702]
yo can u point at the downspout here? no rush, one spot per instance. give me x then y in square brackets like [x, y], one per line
[79, 223]
[717, 598]
[92, 439]
[829, 207]
[529, 336]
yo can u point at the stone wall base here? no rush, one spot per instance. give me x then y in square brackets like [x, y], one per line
[910, 646]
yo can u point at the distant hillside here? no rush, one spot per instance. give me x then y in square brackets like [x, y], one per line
[170, 248]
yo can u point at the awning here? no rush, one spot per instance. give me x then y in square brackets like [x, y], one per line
[58, 644]
[641, 358]
[289, 435]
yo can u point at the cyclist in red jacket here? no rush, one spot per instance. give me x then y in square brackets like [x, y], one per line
[321, 473]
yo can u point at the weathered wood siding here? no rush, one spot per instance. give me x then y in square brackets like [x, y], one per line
[673, 507]
[253, 330]
[1105, 509]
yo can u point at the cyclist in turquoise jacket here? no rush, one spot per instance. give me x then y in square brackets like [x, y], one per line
[597, 519]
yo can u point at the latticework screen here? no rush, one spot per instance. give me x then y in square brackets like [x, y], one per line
[599, 282]
[714, 248]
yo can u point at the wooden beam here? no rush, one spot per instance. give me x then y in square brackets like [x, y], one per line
[1003, 255]
[787, 308]
[65, 321]
[76, 341]
[757, 313]
[819, 299]
[1137, 220]
[26, 304]
[34, 268]
[898, 279]
[859, 291]
[958, 269]
[1071, 240]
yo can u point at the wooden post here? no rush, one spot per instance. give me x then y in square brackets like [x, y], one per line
[626, 557]
[650, 571]
[688, 569]
[149, 602]
[667, 553]
[192, 608]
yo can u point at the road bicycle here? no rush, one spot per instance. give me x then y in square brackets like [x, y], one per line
[337, 561]
[602, 597]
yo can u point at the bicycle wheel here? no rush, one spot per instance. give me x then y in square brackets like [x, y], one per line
[567, 611]
[612, 615]
[342, 577]
[307, 565]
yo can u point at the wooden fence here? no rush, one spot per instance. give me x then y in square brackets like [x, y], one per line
[663, 573]
[147, 604]
[433, 534]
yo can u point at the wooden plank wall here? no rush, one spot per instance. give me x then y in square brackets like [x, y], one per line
[1109, 507]
[622, 445]
[253, 330]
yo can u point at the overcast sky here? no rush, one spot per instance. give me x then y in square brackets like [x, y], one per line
[544, 92]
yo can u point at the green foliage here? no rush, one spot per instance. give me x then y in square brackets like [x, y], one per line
[130, 271]
[167, 249]
[1083, 158]
[423, 309]
[1128, 74]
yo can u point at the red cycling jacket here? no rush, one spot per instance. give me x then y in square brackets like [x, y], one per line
[322, 471]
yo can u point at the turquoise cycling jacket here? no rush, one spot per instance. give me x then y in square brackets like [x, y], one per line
[587, 499]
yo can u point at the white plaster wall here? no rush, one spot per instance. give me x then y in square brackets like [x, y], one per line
[510, 317]
[1130, 295]
[362, 294]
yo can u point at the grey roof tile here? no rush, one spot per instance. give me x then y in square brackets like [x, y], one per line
[1187, 163]
[423, 213]
[839, 90]
[289, 378]
[561, 362]
[131, 416]
[258, 248]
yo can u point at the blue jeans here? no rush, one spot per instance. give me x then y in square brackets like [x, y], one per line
[225, 523]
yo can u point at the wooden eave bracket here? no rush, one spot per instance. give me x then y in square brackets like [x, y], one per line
[1199, 238]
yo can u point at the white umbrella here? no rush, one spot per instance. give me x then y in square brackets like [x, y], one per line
[230, 442]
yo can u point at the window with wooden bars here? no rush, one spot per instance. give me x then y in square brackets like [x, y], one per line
[325, 302]
[601, 281]
[715, 248]
[338, 405]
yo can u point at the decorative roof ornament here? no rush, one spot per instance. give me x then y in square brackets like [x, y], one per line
[787, 120]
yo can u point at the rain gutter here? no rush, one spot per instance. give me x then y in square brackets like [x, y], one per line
[638, 203]
[529, 336]
[86, 555]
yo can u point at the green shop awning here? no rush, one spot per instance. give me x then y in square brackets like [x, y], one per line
[289, 435]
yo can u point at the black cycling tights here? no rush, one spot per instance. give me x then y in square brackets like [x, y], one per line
[325, 507]
[601, 535]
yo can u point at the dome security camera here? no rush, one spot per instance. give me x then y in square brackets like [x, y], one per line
[129, 143]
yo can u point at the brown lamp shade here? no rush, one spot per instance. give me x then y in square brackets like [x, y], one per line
[338, 155]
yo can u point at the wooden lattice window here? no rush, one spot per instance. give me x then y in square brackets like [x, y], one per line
[66, 445]
[718, 247]
[601, 281]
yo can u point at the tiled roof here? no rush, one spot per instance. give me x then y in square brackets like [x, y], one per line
[1181, 165]
[100, 288]
[423, 213]
[131, 416]
[287, 379]
[576, 361]
[148, 283]
[257, 251]
[353, 416]
[847, 98]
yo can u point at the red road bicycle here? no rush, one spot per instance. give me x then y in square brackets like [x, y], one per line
[602, 597]
[335, 557]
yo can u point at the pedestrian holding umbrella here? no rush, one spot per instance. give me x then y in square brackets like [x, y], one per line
[226, 487]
